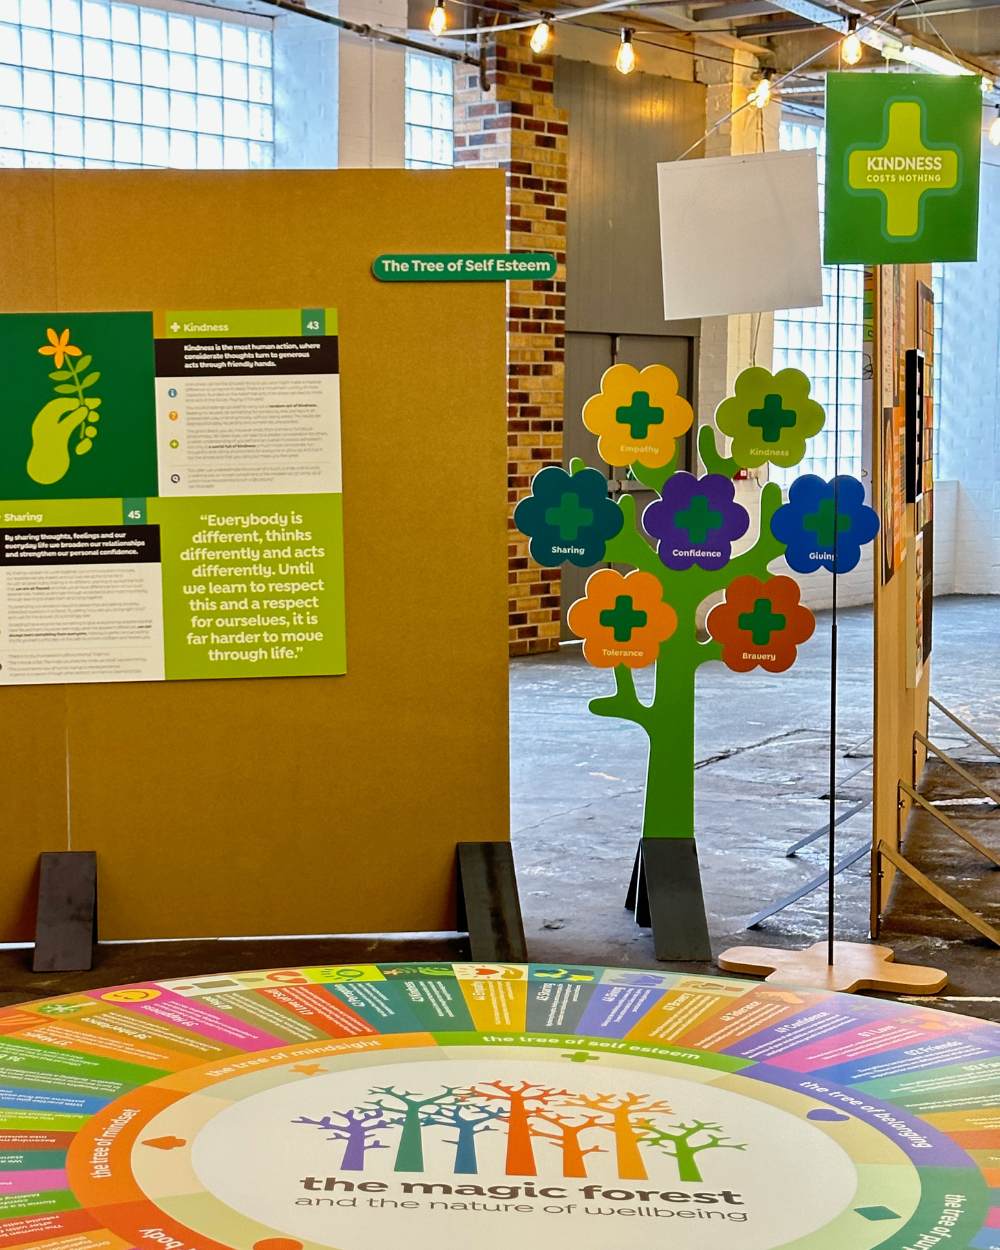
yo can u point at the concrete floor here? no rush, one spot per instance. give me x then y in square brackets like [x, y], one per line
[762, 747]
[763, 771]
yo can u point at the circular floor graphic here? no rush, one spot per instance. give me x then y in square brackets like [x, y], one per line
[497, 1106]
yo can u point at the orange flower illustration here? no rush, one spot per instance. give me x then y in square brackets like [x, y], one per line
[638, 415]
[58, 347]
[760, 623]
[622, 619]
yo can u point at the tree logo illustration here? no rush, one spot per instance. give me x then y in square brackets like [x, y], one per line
[637, 1129]
[70, 412]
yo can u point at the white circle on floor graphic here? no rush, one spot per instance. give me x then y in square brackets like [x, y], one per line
[492, 1152]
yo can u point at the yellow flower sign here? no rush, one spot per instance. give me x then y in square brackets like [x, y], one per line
[638, 416]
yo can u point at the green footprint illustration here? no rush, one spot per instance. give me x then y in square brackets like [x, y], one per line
[54, 425]
[50, 435]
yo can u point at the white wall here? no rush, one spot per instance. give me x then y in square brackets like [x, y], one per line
[307, 86]
[339, 101]
[969, 446]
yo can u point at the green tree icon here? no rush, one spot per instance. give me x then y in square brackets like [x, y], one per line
[680, 1142]
[410, 1112]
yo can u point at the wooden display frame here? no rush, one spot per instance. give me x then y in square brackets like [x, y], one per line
[307, 805]
[901, 696]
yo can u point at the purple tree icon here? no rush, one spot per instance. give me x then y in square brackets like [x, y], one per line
[356, 1129]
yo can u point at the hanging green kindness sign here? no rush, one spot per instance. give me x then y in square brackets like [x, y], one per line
[902, 168]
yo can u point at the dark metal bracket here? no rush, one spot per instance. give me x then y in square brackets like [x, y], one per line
[66, 925]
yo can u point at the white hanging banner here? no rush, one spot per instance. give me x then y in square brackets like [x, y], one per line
[740, 234]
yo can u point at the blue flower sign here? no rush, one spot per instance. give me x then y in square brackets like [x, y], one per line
[824, 525]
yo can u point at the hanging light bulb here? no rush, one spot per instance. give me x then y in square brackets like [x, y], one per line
[541, 36]
[995, 130]
[761, 94]
[851, 50]
[438, 23]
[625, 60]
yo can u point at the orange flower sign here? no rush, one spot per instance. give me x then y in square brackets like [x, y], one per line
[58, 347]
[760, 623]
[638, 415]
[622, 619]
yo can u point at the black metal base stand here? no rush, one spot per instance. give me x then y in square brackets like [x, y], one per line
[665, 895]
[66, 926]
[489, 908]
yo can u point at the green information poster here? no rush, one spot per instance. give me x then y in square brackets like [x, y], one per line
[170, 505]
[902, 168]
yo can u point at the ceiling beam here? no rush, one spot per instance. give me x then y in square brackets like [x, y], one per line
[788, 26]
[655, 13]
[741, 8]
[920, 8]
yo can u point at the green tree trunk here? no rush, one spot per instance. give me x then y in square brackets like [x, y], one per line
[669, 805]
[410, 1155]
[687, 1164]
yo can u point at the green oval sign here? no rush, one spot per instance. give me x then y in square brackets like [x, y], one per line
[464, 266]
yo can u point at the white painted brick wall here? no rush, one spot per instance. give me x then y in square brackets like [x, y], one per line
[969, 446]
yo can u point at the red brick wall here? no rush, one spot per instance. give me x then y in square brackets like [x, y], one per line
[516, 127]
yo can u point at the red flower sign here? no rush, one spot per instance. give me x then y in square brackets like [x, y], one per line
[760, 623]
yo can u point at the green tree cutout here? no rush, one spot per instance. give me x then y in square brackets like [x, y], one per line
[71, 411]
[683, 555]
[684, 1142]
[668, 719]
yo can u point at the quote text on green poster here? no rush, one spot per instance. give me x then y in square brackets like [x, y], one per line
[252, 586]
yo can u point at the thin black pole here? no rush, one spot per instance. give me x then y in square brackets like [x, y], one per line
[832, 847]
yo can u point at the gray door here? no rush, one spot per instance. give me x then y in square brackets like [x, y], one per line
[618, 130]
[587, 357]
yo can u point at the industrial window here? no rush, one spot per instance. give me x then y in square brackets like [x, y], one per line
[430, 110]
[805, 338]
[100, 84]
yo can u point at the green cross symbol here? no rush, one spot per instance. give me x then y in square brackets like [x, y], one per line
[569, 517]
[623, 618]
[638, 415]
[698, 519]
[822, 524]
[580, 1056]
[903, 169]
[772, 418]
[762, 622]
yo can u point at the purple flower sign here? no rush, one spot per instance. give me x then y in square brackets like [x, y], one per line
[696, 521]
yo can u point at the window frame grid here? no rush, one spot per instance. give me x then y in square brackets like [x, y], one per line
[109, 84]
[429, 111]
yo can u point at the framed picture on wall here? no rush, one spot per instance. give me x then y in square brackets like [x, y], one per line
[891, 491]
[915, 420]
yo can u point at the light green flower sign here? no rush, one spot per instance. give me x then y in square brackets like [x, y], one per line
[770, 417]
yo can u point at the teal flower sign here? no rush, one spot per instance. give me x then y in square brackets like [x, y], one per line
[568, 517]
[769, 417]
